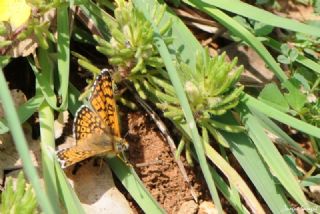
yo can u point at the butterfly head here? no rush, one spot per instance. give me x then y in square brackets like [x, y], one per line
[121, 145]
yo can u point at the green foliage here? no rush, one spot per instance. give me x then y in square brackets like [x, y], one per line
[298, 100]
[295, 97]
[311, 113]
[37, 25]
[210, 90]
[288, 56]
[20, 199]
[308, 44]
[131, 49]
[302, 87]
[316, 4]
[209, 87]
[271, 94]
[257, 28]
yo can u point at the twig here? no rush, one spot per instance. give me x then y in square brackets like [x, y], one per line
[148, 163]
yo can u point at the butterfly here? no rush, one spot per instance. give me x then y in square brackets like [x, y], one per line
[96, 129]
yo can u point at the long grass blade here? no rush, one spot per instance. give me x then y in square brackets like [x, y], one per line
[250, 160]
[24, 112]
[47, 145]
[45, 77]
[22, 147]
[280, 116]
[251, 12]
[272, 156]
[63, 54]
[66, 193]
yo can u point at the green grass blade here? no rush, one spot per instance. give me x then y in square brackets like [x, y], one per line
[44, 78]
[250, 160]
[271, 156]
[24, 112]
[229, 193]
[297, 149]
[97, 15]
[280, 116]
[67, 194]
[47, 143]
[257, 14]
[237, 29]
[73, 96]
[63, 54]
[135, 187]
[21, 145]
[233, 178]
[164, 52]
[184, 44]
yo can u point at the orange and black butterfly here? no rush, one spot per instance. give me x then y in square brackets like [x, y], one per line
[96, 129]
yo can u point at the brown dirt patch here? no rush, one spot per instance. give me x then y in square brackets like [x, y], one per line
[160, 174]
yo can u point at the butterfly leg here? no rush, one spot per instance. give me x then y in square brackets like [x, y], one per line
[78, 165]
[76, 168]
[124, 159]
[98, 162]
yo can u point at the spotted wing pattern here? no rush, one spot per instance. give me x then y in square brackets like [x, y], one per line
[70, 156]
[96, 131]
[86, 123]
[103, 102]
[93, 145]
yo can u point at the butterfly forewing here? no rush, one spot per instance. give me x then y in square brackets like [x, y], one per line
[103, 103]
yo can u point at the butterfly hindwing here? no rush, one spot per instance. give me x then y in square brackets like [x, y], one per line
[94, 145]
[70, 156]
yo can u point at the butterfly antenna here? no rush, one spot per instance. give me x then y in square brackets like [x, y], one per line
[127, 133]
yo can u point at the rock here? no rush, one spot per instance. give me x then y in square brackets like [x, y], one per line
[315, 192]
[59, 123]
[188, 207]
[96, 190]
[207, 207]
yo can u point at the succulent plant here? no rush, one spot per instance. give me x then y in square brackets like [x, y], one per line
[131, 49]
[210, 87]
[21, 200]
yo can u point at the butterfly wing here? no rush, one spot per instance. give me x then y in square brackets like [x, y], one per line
[93, 145]
[103, 102]
[96, 131]
[86, 123]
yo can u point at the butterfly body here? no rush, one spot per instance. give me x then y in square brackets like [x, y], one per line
[96, 129]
